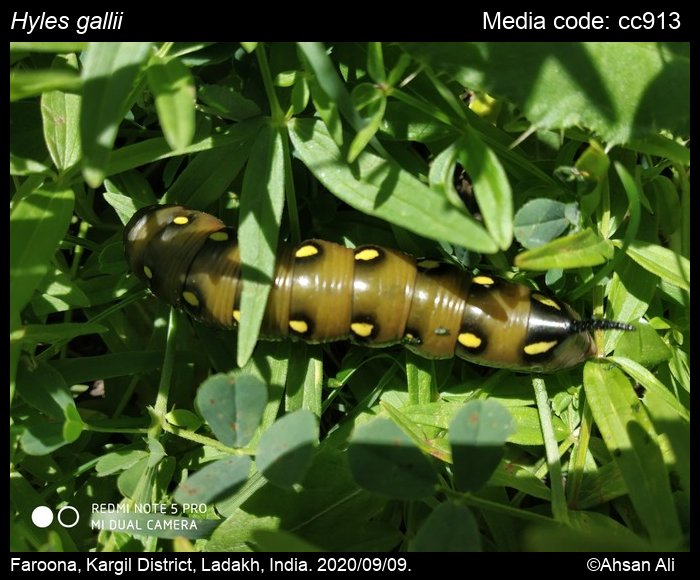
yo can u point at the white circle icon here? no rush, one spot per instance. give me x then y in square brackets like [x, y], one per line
[76, 515]
[42, 516]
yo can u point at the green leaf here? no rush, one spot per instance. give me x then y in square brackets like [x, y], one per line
[209, 174]
[117, 461]
[285, 448]
[540, 221]
[450, 527]
[232, 407]
[174, 91]
[227, 102]
[644, 346]
[109, 72]
[44, 389]
[213, 481]
[477, 437]
[491, 187]
[629, 435]
[61, 120]
[276, 541]
[381, 188]
[608, 87]
[262, 200]
[647, 379]
[384, 460]
[41, 437]
[528, 430]
[41, 333]
[665, 263]
[328, 496]
[184, 418]
[578, 250]
[106, 366]
[38, 223]
[29, 83]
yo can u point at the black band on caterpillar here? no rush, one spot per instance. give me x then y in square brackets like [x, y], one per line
[370, 295]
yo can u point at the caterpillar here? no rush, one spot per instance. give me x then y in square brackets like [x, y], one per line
[371, 295]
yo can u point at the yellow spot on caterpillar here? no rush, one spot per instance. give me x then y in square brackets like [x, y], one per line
[306, 251]
[428, 264]
[299, 326]
[219, 237]
[181, 220]
[237, 315]
[363, 329]
[148, 272]
[190, 298]
[367, 255]
[539, 347]
[469, 340]
[483, 280]
[546, 301]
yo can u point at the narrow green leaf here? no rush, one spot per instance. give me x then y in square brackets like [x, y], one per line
[539, 221]
[631, 438]
[213, 481]
[329, 80]
[174, 90]
[649, 381]
[106, 366]
[109, 72]
[491, 187]
[285, 448]
[477, 437]
[227, 102]
[366, 134]
[41, 333]
[528, 430]
[644, 346]
[262, 200]
[151, 150]
[375, 62]
[578, 250]
[384, 460]
[60, 113]
[232, 406]
[26, 166]
[29, 83]
[665, 263]
[381, 188]
[450, 527]
[209, 174]
[38, 223]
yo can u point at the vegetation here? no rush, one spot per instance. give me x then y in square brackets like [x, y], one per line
[564, 166]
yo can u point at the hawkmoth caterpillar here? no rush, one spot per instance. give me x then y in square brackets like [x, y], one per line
[370, 295]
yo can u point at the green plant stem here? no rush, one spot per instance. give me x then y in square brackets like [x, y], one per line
[161, 406]
[577, 462]
[559, 508]
[275, 109]
[204, 440]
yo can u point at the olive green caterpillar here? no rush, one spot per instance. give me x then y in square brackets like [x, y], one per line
[370, 295]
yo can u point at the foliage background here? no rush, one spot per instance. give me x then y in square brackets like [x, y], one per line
[578, 168]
